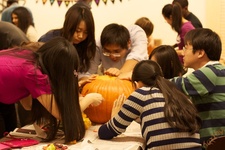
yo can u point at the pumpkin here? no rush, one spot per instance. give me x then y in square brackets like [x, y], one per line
[110, 88]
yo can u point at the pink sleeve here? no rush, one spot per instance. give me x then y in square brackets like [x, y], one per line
[36, 82]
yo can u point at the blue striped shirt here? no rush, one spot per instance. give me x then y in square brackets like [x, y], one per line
[149, 106]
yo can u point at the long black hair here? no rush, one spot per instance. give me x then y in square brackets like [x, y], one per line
[58, 59]
[178, 109]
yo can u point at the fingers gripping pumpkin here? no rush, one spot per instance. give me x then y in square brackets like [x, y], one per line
[110, 88]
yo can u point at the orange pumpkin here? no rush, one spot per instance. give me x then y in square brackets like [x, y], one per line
[110, 88]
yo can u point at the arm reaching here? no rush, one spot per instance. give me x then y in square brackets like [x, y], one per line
[93, 99]
[26, 102]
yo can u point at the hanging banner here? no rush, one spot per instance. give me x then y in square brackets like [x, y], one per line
[44, 1]
[97, 2]
[67, 2]
[52, 1]
[59, 2]
[105, 1]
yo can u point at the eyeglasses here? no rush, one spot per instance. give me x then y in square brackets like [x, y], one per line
[111, 54]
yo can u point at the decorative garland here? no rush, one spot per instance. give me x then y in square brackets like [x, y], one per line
[67, 2]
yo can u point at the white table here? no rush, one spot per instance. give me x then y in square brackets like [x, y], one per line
[129, 140]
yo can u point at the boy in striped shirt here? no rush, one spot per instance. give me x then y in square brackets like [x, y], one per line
[206, 84]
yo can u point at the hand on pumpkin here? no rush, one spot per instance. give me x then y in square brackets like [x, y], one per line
[93, 99]
[117, 105]
[85, 80]
[113, 72]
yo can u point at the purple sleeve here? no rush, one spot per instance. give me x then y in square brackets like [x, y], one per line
[105, 133]
[186, 27]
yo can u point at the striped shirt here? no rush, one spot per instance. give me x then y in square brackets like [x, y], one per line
[206, 87]
[158, 134]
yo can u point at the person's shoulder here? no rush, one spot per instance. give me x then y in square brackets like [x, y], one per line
[10, 8]
[191, 16]
[134, 27]
[135, 30]
[49, 35]
[194, 20]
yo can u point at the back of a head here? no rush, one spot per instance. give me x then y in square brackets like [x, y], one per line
[11, 35]
[146, 71]
[115, 34]
[10, 2]
[168, 60]
[60, 52]
[206, 39]
[183, 3]
[167, 10]
[146, 25]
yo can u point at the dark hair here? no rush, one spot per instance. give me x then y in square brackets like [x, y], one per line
[179, 111]
[205, 39]
[115, 34]
[11, 35]
[146, 25]
[59, 60]
[183, 3]
[175, 12]
[167, 58]
[86, 49]
[24, 18]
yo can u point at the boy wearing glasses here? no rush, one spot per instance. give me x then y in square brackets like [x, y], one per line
[120, 50]
[206, 84]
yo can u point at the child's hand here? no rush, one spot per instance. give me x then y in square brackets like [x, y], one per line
[118, 104]
[94, 98]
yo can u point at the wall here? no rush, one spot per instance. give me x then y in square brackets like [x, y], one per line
[216, 19]
[126, 12]
[49, 16]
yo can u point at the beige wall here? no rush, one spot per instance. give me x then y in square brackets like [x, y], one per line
[48, 16]
[215, 19]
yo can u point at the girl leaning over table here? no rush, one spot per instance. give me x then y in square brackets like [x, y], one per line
[168, 119]
[45, 81]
